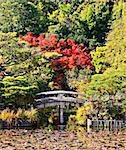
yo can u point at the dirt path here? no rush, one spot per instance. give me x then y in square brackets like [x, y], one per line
[61, 140]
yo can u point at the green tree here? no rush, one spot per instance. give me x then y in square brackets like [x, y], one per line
[108, 92]
[86, 22]
[20, 16]
[17, 90]
[113, 54]
[25, 70]
[108, 87]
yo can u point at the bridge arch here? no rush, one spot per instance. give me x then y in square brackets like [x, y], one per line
[59, 98]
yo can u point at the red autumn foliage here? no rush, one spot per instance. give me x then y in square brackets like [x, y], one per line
[73, 54]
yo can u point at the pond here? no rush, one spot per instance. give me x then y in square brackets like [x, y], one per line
[40, 139]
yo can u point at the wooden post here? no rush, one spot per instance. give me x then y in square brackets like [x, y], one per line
[120, 124]
[61, 118]
[61, 106]
[89, 123]
[61, 115]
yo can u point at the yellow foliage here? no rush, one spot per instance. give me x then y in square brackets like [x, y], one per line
[1, 59]
[48, 54]
[81, 116]
[50, 119]
[7, 115]
[31, 114]
[82, 112]
[81, 85]
[19, 113]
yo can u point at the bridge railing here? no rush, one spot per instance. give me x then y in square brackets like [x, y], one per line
[59, 97]
[60, 92]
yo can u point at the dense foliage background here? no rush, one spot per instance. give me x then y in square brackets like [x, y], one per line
[99, 26]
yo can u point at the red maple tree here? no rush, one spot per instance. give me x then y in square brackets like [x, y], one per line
[72, 54]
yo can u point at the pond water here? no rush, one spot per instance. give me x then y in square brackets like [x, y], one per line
[40, 139]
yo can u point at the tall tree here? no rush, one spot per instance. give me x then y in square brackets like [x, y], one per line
[86, 22]
[108, 86]
[20, 16]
